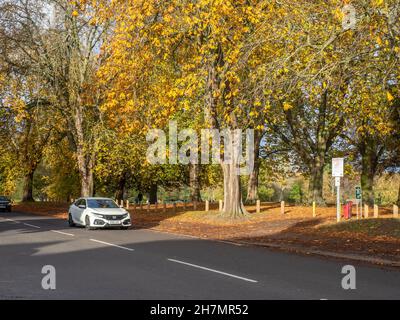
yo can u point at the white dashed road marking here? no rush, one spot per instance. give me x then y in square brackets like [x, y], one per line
[12, 220]
[112, 245]
[213, 270]
[31, 225]
[64, 233]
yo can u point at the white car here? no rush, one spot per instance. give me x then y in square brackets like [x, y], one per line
[98, 213]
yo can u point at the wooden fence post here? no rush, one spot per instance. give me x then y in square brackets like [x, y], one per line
[164, 206]
[207, 206]
[258, 210]
[148, 206]
[127, 204]
[366, 211]
[174, 206]
[282, 207]
[221, 203]
[376, 209]
[313, 210]
[395, 211]
[194, 205]
[357, 211]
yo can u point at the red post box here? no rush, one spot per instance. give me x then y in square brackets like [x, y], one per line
[347, 210]
[350, 204]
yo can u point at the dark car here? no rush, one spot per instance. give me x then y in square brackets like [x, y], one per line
[5, 203]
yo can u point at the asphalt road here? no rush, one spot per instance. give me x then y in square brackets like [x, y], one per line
[143, 264]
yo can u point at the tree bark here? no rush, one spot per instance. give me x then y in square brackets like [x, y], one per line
[87, 185]
[85, 157]
[369, 164]
[317, 180]
[233, 204]
[252, 188]
[367, 180]
[194, 182]
[121, 188]
[153, 194]
[367, 186]
[28, 187]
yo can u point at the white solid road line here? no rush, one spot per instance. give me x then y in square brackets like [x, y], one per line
[112, 245]
[64, 233]
[213, 270]
[31, 225]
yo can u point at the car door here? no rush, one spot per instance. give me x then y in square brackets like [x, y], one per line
[75, 211]
[79, 211]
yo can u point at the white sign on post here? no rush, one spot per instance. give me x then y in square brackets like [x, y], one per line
[337, 172]
[337, 167]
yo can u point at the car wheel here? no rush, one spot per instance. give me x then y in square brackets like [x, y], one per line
[70, 221]
[87, 223]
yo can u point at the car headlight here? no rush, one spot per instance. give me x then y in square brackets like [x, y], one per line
[125, 216]
[98, 215]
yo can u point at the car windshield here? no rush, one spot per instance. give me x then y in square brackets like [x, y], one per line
[2, 198]
[101, 203]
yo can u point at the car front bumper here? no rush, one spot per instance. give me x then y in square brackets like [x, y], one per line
[98, 222]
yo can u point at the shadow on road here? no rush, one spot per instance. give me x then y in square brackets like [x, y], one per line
[87, 270]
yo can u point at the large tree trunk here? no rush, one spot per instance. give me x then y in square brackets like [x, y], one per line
[398, 196]
[367, 186]
[233, 204]
[85, 157]
[194, 182]
[317, 181]
[119, 195]
[153, 194]
[28, 187]
[367, 180]
[369, 162]
[87, 185]
[252, 187]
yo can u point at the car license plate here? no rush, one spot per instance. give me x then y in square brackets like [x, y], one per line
[115, 222]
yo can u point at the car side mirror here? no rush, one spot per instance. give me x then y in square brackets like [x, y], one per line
[82, 206]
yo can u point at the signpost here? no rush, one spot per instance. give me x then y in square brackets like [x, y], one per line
[359, 200]
[337, 172]
[337, 167]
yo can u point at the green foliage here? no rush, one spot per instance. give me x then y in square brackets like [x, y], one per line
[296, 193]
[386, 189]
[265, 193]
